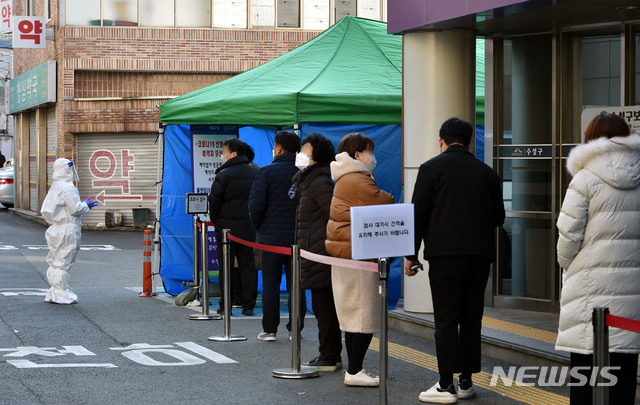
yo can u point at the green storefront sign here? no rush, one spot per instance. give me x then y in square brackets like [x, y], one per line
[33, 88]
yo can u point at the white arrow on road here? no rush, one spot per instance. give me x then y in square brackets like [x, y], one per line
[30, 364]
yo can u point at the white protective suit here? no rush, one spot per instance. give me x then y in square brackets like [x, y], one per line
[62, 209]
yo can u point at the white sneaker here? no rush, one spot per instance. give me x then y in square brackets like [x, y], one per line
[437, 395]
[267, 337]
[466, 389]
[361, 379]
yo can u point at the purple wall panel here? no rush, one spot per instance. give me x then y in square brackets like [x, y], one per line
[407, 14]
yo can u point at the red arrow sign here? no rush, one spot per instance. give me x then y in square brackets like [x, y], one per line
[102, 197]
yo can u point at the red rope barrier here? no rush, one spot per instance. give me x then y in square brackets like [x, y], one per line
[623, 323]
[267, 248]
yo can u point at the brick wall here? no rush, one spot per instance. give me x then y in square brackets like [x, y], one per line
[114, 53]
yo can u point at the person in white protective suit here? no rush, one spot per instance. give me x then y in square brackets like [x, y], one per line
[63, 210]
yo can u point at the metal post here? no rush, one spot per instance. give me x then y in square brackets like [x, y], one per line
[295, 371]
[226, 288]
[600, 354]
[147, 284]
[204, 283]
[196, 256]
[383, 275]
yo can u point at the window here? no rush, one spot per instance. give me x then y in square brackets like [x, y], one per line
[193, 13]
[344, 7]
[263, 13]
[82, 12]
[288, 13]
[230, 13]
[156, 13]
[120, 12]
[316, 14]
[369, 9]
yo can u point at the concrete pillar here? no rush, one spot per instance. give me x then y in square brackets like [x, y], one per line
[438, 83]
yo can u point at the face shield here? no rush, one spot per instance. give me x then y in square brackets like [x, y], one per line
[75, 172]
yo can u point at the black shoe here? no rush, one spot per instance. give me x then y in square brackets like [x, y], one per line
[247, 311]
[322, 365]
[220, 310]
[466, 389]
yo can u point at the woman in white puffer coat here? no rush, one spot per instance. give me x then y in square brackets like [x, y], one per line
[599, 251]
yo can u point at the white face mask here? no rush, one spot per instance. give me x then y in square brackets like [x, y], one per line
[372, 164]
[273, 153]
[302, 161]
[223, 159]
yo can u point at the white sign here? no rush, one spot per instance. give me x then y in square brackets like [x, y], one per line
[197, 203]
[6, 11]
[631, 114]
[206, 151]
[29, 32]
[382, 231]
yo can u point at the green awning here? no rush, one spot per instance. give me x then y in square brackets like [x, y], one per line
[351, 74]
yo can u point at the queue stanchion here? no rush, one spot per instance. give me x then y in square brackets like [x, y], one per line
[383, 275]
[204, 282]
[295, 371]
[196, 256]
[226, 271]
[600, 354]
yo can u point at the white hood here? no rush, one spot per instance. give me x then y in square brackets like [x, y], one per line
[345, 164]
[616, 161]
[62, 171]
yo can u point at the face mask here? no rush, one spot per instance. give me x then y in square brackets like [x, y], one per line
[273, 152]
[302, 161]
[372, 164]
[223, 159]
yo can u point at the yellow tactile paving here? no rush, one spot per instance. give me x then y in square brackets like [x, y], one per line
[526, 394]
[520, 330]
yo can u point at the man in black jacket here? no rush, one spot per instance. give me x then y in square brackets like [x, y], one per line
[273, 214]
[458, 205]
[228, 209]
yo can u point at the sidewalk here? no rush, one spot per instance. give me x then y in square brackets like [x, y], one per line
[522, 337]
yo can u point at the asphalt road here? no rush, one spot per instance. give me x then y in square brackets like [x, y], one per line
[83, 353]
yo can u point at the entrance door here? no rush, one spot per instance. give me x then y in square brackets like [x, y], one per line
[526, 163]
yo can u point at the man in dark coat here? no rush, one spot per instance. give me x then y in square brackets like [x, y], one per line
[2, 159]
[228, 209]
[458, 206]
[314, 189]
[273, 215]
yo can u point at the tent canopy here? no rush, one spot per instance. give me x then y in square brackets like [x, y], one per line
[349, 74]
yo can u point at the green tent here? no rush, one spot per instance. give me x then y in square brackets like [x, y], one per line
[349, 74]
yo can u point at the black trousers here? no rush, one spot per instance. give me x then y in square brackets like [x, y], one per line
[457, 288]
[272, 264]
[246, 270]
[624, 390]
[329, 334]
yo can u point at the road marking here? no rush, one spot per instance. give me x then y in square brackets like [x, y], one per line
[30, 364]
[206, 353]
[527, 394]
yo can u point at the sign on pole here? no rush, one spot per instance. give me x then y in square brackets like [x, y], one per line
[6, 12]
[382, 231]
[197, 203]
[29, 32]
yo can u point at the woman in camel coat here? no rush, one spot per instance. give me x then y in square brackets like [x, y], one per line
[355, 291]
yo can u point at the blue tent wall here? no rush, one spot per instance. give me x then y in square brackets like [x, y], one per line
[176, 263]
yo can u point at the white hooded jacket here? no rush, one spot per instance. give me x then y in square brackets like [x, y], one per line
[599, 243]
[62, 204]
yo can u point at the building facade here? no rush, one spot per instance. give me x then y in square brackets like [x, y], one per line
[117, 60]
[550, 68]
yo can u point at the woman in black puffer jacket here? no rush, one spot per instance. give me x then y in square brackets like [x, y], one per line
[314, 189]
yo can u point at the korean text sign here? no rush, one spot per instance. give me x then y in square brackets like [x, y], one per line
[29, 32]
[6, 12]
[206, 150]
[382, 231]
[33, 88]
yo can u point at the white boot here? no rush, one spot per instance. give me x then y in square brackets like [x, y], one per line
[59, 293]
